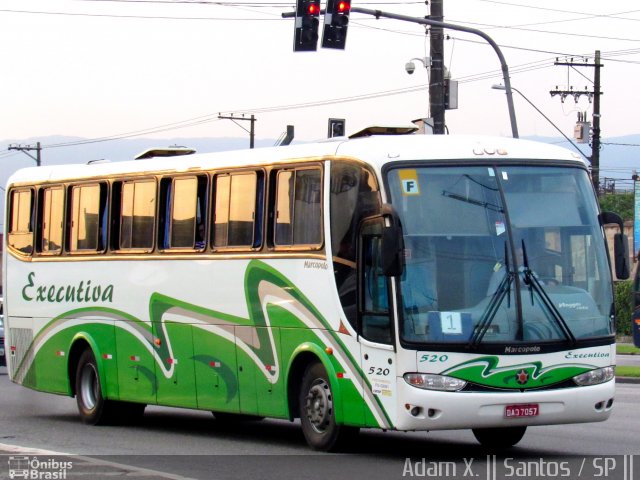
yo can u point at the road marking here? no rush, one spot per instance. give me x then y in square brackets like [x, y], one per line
[16, 449]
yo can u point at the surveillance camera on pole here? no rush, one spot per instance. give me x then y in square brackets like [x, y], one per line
[410, 66]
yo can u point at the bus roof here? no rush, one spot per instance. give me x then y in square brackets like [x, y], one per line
[375, 150]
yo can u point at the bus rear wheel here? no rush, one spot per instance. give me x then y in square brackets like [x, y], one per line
[317, 413]
[503, 437]
[94, 409]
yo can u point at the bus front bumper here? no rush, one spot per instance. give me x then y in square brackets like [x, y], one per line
[420, 409]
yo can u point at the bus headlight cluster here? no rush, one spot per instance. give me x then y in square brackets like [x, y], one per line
[430, 381]
[594, 377]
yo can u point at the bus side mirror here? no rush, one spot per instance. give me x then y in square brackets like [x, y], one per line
[392, 245]
[620, 244]
[621, 255]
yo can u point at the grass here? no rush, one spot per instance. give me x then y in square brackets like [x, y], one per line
[627, 348]
[627, 371]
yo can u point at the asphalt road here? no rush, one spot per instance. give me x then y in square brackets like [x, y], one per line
[628, 360]
[175, 443]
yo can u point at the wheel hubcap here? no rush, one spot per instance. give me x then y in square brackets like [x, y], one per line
[89, 387]
[319, 405]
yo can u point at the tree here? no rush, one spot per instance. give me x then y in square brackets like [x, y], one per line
[620, 203]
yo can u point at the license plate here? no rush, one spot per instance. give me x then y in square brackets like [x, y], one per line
[526, 410]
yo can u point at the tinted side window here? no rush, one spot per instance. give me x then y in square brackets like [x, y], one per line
[354, 197]
[298, 219]
[238, 208]
[87, 219]
[52, 219]
[138, 213]
[21, 220]
[182, 213]
[183, 216]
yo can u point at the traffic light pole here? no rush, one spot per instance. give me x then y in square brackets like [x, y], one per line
[451, 26]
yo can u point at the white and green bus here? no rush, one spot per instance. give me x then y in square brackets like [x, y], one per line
[399, 282]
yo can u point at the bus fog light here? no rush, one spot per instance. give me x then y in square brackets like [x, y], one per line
[429, 381]
[595, 377]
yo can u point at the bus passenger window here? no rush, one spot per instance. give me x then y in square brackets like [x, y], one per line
[298, 207]
[21, 218]
[138, 212]
[183, 215]
[52, 217]
[236, 210]
[87, 219]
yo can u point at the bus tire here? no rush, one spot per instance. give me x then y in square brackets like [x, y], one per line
[317, 413]
[94, 409]
[503, 437]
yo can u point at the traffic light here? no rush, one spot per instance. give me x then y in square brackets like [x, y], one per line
[307, 21]
[336, 21]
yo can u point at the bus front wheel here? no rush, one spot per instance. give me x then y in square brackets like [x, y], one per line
[317, 413]
[503, 437]
[93, 407]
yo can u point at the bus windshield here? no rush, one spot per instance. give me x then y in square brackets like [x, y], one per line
[500, 254]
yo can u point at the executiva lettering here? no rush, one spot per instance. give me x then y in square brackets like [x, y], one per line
[83, 292]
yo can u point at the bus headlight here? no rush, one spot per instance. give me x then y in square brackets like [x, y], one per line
[430, 381]
[594, 377]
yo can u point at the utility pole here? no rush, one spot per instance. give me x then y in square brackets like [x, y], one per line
[436, 83]
[591, 95]
[27, 148]
[595, 137]
[251, 119]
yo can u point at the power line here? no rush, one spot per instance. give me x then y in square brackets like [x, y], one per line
[146, 17]
[621, 144]
[546, 9]
[548, 32]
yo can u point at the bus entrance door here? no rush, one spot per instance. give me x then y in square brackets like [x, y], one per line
[375, 319]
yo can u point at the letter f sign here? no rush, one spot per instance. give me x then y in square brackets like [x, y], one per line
[410, 187]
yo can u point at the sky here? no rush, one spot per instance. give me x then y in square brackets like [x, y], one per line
[165, 68]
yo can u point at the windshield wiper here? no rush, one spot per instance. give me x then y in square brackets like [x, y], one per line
[534, 284]
[473, 201]
[504, 289]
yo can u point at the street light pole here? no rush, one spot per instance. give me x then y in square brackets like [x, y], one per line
[502, 87]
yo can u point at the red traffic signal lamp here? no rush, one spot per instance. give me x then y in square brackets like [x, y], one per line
[344, 7]
[336, 21]
[307, 21]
